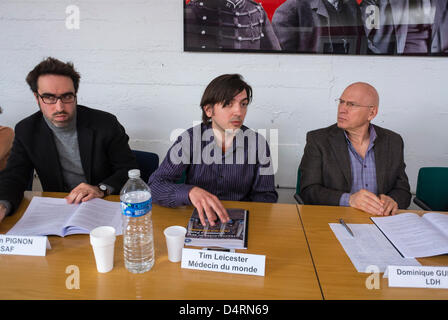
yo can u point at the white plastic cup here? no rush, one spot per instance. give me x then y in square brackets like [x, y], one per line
[102, 240]
[175, 237]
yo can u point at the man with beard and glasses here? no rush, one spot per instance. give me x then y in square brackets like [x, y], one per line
[72, 148]
[221, 158]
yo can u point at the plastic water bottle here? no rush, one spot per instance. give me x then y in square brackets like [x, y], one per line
[138, 241]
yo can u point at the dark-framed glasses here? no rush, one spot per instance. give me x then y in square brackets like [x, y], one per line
[52, 99]
[350, 104]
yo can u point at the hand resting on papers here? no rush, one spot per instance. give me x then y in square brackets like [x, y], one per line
[84, 192]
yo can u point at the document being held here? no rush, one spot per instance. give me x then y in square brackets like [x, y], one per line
[415, 236]
[53, 216]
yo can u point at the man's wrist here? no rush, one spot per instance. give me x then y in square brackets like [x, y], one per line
[183, 195]
[103, 189]
[344, 201]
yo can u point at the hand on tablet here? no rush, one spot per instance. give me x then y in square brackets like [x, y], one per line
[208, 205]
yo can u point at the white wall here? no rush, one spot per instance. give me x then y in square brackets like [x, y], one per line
[130, 56]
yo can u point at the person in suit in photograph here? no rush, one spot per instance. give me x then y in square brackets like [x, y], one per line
[418, 27]
[228, 24]
[320, 26]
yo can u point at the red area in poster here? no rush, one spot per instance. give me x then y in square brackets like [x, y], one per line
[269, 5]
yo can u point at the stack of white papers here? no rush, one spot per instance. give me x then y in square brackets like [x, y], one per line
[369, 247]
[415, 236]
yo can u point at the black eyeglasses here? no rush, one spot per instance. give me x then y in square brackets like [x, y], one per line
[52, 99]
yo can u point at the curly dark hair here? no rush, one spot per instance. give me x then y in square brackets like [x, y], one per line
[53, 66]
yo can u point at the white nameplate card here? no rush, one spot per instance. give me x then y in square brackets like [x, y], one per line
[23, 245]
[219, 261]
[418, 277]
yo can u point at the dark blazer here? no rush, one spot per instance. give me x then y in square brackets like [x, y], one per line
[305, 26]
[390, 38]
[103, 146]
[326, 170]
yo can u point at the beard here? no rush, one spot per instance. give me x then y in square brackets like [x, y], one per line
[58, 123]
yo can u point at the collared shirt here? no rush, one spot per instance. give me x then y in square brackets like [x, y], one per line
[243, 173]
[363, 170]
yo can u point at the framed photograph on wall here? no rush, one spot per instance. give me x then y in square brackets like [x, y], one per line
[357, 27]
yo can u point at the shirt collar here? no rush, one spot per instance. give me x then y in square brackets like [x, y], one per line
[240, 132]
[334, 3]
[225, 4]
[372, 134]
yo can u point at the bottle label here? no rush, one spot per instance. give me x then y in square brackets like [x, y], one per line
[136, 209]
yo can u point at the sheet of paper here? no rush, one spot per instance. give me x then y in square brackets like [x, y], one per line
[95, 213]
[412, 235]
[43, 216]
[438, 220]
[369, 247]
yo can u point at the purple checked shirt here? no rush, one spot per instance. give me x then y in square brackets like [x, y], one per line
[363, 170]
[243, 173]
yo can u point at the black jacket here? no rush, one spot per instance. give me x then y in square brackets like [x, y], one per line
[103, 146]
[309, 26]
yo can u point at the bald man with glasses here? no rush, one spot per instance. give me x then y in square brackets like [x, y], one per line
[353, 162]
